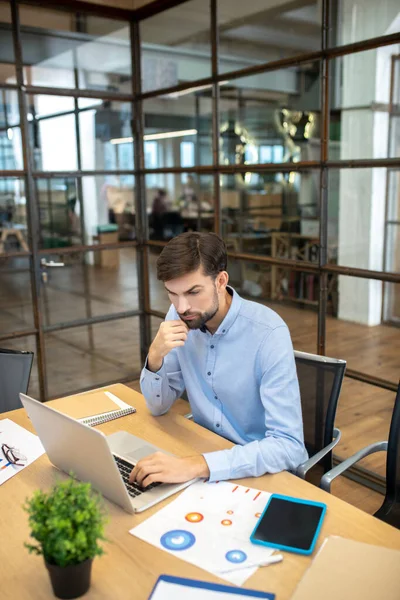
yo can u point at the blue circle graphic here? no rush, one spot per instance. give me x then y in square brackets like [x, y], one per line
[177, 539]
[236, 556]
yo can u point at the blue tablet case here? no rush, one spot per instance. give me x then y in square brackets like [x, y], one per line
[291, 548]
[205, 586]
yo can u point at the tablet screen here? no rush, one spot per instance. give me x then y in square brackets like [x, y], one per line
[287, 523]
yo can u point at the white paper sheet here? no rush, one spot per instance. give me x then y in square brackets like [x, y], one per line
[24, 441]
[209, 525]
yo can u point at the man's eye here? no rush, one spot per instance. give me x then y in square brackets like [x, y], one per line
[193, 293]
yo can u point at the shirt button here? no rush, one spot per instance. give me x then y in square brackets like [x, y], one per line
[223, 331]
[211, 346]
[157, 379]
[216, 397]
[158, 395]
[209, 373]
[217, 424]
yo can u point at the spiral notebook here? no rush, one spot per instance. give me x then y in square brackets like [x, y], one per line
[93, 408]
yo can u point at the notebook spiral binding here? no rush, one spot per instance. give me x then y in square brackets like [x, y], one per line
[115, 414]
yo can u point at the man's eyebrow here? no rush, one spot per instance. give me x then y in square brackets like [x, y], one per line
[187, 291]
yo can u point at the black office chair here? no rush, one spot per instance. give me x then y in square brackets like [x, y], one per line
[390, 509]
[320, 381]
[15, 371]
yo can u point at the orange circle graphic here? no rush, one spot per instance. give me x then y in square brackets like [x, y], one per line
[229, 512]
[194, 517]
[258, 515]
[226, 522]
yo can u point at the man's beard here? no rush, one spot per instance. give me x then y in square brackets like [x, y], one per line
[203, 318]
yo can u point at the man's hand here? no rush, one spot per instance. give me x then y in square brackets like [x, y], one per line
[168, 469]
[171, 334]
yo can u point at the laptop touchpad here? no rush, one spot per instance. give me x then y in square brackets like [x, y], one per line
[139, 453]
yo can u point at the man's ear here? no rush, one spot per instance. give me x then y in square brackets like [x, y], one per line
[222, 281]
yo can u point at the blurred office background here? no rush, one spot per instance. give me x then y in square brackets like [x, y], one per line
[274, 123]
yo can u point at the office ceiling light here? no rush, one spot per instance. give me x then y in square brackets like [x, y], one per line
[199, 88]
[157, 136]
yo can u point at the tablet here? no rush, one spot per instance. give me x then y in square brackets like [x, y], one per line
[289, 524]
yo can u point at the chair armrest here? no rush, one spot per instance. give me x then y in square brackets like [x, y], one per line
[349, 462]
[189, 416]
[308, 464]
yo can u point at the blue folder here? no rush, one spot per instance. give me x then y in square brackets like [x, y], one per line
[160, 590]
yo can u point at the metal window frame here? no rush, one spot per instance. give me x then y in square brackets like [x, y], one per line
[133, 18]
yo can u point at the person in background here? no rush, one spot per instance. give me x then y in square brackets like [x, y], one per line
[158, 209]
[235, 359]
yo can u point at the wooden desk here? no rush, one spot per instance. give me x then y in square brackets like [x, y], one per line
[130, 567]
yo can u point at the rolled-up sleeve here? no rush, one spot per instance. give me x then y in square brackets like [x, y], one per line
[282, 448]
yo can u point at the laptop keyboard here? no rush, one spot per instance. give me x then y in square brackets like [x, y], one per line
[134, 489]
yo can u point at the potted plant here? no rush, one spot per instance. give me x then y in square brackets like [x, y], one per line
[67, 524]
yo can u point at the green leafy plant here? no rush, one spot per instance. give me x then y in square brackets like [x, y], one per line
[67, 523]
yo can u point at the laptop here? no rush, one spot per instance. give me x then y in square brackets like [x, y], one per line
[104, 461]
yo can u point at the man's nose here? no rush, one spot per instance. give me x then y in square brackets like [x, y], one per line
[183, 305]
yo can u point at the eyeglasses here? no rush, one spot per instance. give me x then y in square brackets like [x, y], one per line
[13, 455]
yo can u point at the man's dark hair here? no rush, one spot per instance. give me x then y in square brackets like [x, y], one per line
[186, 252]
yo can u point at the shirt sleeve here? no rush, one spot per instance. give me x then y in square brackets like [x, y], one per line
[282, 448]
[162, 388]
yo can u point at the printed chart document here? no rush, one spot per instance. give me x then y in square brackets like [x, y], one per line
[209, 525]
[180, 588]
[24, 445]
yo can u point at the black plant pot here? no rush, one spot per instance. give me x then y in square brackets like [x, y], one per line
[71, 581]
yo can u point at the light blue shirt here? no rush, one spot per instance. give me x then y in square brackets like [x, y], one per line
[242, 384]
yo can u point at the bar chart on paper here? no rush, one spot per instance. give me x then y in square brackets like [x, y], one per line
[209, 525]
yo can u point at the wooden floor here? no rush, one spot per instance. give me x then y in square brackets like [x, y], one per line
[89, 356]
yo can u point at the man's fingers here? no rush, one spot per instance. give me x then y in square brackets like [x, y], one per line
[176, 324]
[154, 477]
[145, 473]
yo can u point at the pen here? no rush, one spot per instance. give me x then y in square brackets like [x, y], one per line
[276, 558]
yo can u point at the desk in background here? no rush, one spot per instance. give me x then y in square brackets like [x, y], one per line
[130, 567]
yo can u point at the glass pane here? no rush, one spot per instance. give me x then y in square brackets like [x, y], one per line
[89, 285]
[255, 32]
[356, 217]
[7, 69]
[108, 203]
[178, 130]
[179, 202]
[155, 323]
[26, 344]
[92, 355]
[52, 120]
[10, 132]
[176, 46]
[357, 20]
[16, 312]
[158, 296]
[13, 217]
[54, 43]
[271, 117]
[274, 214]
[358, 333]
[359, 123]
[371, 406]
[106, 136]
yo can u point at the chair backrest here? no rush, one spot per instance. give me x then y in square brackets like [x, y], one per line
[320, 381]
[15, 371]
[393, 458]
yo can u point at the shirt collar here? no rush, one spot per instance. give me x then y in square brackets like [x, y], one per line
[232, 313]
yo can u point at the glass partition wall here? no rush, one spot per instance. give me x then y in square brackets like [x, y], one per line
[276, 127]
